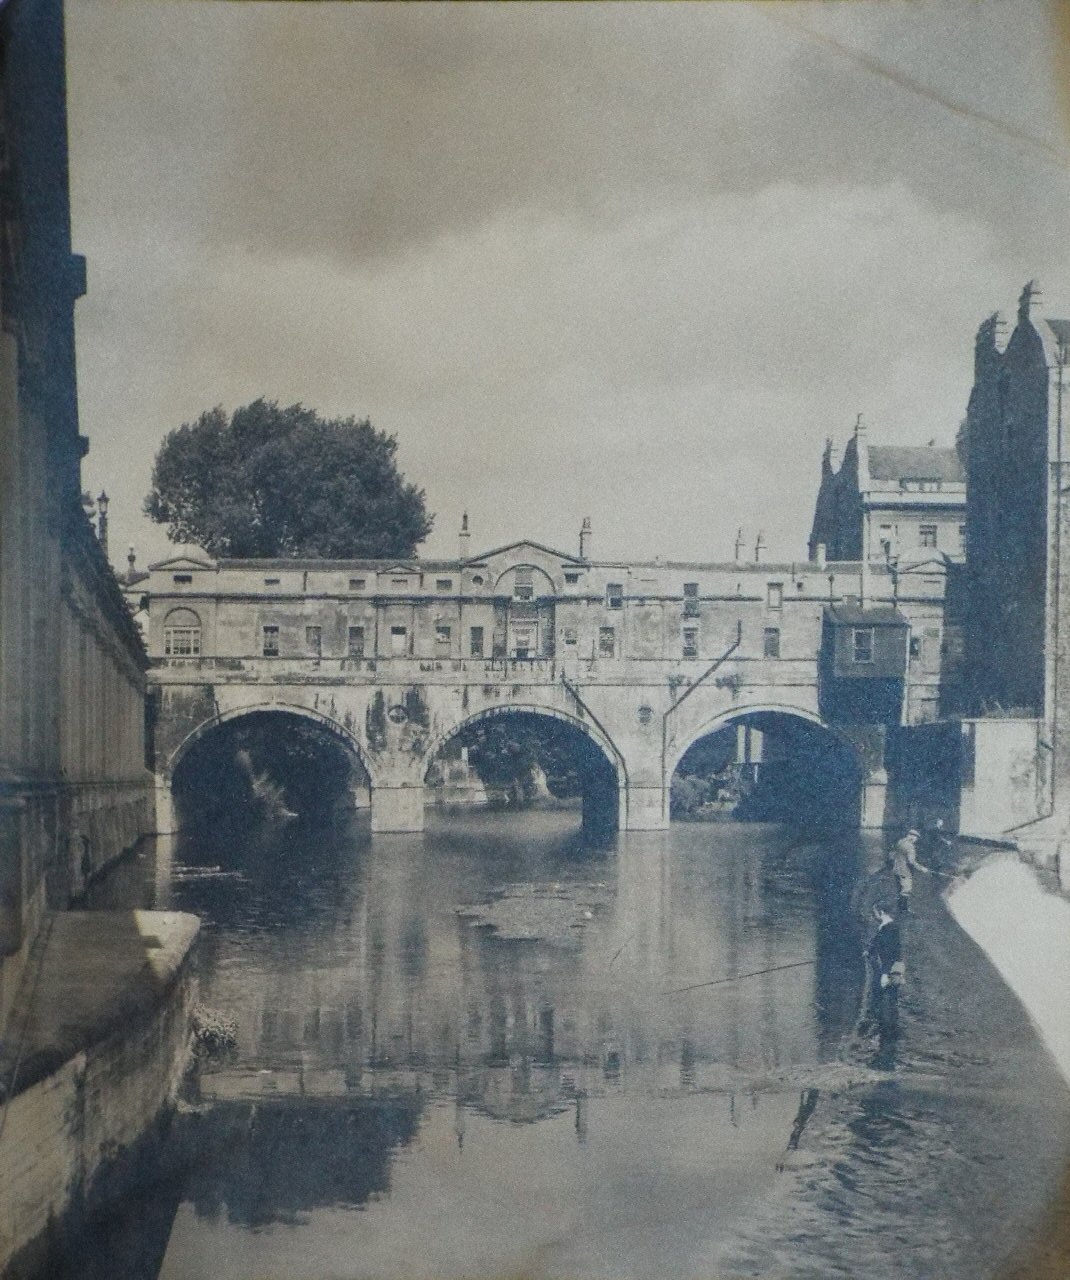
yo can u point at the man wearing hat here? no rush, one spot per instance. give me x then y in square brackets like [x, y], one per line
[903, 862]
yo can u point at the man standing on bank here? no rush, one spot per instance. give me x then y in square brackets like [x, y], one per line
[903, 862]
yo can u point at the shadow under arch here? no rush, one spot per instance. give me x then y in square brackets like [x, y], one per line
[353, 775]
[600, 763]
[803, 770]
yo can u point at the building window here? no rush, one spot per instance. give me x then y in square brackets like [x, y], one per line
[357, 584]
[444, 584]
[442, 633]
[962, 538]
[690, 599]
[927, 535]
[272, 582]
[572, 578]
[271, 642]
[771, 642]
[399, 582]
[399, 641]
[862, 644]
[524, 588]
[915, 646]
[182, 634]
[356, 642]
[774, 595]
[314, 641]
[569, 635]
[182, 579]
[477, 579]
[690, 642]
[607, 642]
[614, 595]
[475, 642]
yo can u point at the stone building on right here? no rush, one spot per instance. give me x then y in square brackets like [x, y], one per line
[1016, 691]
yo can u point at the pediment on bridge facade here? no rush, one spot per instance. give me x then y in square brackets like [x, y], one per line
[182, 562]
[525, 552]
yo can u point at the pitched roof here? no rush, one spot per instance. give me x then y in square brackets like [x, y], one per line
[915, 462]
[860, 615]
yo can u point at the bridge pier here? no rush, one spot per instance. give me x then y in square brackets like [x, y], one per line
[874, 798]
[166, 821]
[644, 808]
[398, 808]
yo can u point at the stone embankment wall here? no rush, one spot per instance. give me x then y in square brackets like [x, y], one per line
[72, 1139]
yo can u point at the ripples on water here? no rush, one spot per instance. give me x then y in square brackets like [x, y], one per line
[418, 1093]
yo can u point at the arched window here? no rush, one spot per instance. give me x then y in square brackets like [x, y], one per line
[182, 634]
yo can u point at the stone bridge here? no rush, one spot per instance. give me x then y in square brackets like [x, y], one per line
[395, 659]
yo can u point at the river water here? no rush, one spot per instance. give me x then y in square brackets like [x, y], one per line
[496, 1049]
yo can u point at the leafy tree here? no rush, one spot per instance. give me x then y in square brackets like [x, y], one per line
[271, 481]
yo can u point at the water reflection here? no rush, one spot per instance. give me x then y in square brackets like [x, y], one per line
[495, 1048]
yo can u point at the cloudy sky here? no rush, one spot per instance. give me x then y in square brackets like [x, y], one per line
[627, 261]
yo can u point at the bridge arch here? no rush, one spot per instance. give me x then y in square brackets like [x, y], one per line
[339, 731]
[318, 788]
[822, 768]
[597, 801]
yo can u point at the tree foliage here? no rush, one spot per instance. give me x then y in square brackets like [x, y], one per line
[271, 481]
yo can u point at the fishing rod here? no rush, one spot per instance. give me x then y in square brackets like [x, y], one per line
[736, 977]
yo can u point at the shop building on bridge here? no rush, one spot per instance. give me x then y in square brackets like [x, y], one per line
[646, 657]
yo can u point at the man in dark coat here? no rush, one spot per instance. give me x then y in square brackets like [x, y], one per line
[887, 973]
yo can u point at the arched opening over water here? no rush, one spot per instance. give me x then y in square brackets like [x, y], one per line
[268, 766]
[769, 765]
[518, 758]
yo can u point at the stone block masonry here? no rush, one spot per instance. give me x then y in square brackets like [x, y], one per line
[100, 1034]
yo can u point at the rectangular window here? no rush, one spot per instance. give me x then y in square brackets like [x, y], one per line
[774, 595]
[272, 582]
[444, 584]
[314, 640]
[182, 642]
[356, 642]
[607, 642]
[690, 599]
[927, 535]
[690, 642]
[399, 582]
[862, 644]
[915, 646]
[771, 642]
[475, 642]
[523, 587]
[962, 538]
[614, 595]
[357, 584]
[399, 641]
[569, 635]
[442, 633]
[572, 578]
[183, 578]
[271, 642]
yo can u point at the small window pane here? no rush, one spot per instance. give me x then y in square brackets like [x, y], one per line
[863, 644]
[444, 584]
[771, 642]
[357, 584]
[442, 633]
[690, 642]
[182, 642]
[183, 578]
[271, 642]
[314, 640]
[475, 642]
[607, 641]
[356, 642]
[614, 595]
[572, 578]
[399, 641]
[569, 635]
[927, 535]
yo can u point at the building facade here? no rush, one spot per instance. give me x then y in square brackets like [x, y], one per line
[890, 502]
[74, 790]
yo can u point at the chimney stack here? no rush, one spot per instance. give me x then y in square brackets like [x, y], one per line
[739, 545]
[585, 538]
[759, 547]
[464, 537]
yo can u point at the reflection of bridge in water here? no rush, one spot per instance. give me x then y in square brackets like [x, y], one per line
[639, 661]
